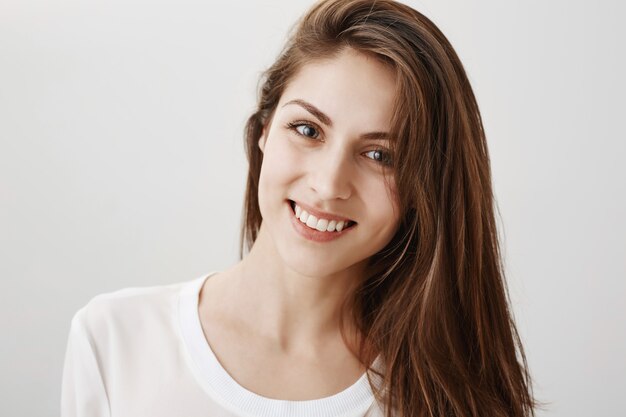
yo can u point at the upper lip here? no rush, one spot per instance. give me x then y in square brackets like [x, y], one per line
[322, 214]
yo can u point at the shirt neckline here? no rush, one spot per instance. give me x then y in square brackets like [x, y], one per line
[357, 398]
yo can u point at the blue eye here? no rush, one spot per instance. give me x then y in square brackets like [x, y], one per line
[380, 155]
[304, 129]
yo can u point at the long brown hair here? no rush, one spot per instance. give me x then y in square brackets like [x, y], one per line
[434, 304]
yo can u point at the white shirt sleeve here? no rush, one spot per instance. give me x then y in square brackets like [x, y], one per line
[83, 392]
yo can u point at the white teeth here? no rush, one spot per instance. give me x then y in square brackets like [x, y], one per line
[323, 225]
[311, 221]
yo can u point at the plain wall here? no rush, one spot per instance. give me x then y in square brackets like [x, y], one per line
[121, 164]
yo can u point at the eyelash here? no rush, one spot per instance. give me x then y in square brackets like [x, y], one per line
[295, 125]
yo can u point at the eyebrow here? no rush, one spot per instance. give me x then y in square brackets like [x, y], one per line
[322, 117]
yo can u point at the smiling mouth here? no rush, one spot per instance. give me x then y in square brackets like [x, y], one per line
[346, 224]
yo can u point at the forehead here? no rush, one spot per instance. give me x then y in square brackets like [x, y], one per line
[351, 86]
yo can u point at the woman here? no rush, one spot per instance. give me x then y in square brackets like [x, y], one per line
[371, 282]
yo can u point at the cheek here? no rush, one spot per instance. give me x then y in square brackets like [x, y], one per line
[384, 206]
[280, 163]
[391, 191]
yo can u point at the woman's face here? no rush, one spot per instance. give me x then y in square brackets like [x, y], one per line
[327, 150]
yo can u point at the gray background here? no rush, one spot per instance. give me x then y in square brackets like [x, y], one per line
[121, 164]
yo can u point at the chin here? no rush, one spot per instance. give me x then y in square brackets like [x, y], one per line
[312, 268]
[303, 264]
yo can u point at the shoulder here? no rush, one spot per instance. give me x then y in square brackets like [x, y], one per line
[131, 309]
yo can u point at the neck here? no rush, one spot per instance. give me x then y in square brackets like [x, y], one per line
[300, 312]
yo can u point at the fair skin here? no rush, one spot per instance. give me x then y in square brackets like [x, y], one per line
[273, 319]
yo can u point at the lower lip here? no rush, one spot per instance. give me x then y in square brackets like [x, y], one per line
[312, 234]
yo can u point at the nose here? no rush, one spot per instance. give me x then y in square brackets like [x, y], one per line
[330, 175]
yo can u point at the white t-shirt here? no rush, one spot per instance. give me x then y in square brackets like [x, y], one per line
[142, 352]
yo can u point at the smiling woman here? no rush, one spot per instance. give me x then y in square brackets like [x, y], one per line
[370, 280]
[329, 168]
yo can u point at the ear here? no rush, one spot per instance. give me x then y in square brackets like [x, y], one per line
[263, 139]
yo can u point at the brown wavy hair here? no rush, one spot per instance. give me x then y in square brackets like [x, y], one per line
[434, 304]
